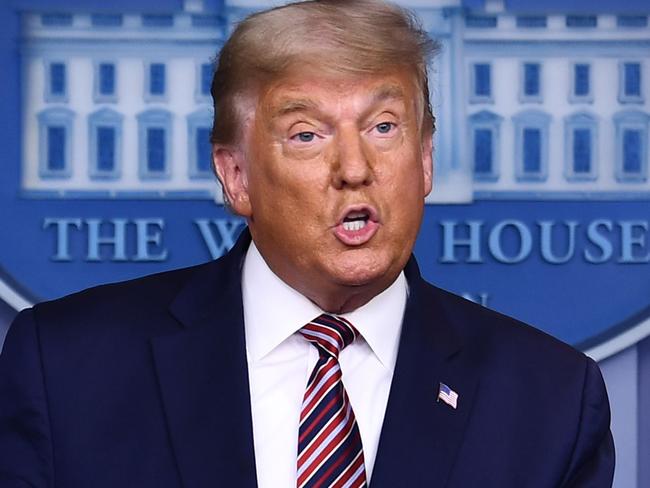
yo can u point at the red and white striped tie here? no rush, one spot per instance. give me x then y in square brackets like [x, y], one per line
[330, 454]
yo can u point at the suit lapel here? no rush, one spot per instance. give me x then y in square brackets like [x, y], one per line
[420, 436]
[203, 378]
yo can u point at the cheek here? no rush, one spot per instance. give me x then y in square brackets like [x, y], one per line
[270, 168]
[283, 194]
[404, 183]
[402, 172]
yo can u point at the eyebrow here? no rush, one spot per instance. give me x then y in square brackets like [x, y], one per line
[380, 94]
[387, 92]
[295, 105]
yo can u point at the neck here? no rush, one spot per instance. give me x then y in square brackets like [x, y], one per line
[342, 298]
[341, 304]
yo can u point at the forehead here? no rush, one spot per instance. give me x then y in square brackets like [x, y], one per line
[317, 92]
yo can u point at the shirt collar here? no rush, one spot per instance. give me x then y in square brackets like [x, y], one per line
[273, 311]
[380, 321]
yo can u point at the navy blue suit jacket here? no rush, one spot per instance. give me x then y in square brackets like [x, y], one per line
[145, 384]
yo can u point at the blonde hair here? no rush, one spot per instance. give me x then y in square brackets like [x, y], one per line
[336, 36]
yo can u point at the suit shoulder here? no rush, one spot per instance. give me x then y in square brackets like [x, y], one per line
[161, 285]
[140, 300]
[487, 331]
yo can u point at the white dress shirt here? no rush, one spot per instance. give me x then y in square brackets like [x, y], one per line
[280, 361]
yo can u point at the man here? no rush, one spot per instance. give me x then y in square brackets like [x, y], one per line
[229, 374]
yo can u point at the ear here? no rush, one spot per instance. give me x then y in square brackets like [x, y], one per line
[427, 162]
[230, 166]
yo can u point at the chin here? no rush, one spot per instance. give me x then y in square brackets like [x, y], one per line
[357, 271]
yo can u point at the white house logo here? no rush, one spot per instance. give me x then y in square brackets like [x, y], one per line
[541, 202]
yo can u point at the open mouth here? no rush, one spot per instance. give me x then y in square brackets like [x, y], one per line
[355, 221]
[357, 225]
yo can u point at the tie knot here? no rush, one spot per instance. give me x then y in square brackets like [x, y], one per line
[329, 333]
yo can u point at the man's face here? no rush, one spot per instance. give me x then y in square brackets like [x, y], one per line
[333, 179]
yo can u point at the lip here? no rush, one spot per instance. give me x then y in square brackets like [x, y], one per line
[361, 236]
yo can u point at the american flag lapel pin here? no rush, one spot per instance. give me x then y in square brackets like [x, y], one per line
[447, 395]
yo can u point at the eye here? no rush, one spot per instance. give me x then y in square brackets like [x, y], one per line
[384, 127]
[304, 136]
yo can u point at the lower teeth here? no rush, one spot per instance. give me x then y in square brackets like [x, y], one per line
[354, 225]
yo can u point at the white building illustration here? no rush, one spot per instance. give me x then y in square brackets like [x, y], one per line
[528, 106]
[119, 105]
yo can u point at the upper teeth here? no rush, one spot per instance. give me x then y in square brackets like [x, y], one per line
[354, 225]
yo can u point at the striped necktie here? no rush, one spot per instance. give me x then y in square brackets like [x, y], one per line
[329, 444]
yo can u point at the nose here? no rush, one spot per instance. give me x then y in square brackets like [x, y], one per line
[352, 165]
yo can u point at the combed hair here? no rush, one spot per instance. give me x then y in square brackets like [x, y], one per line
[356, 37]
